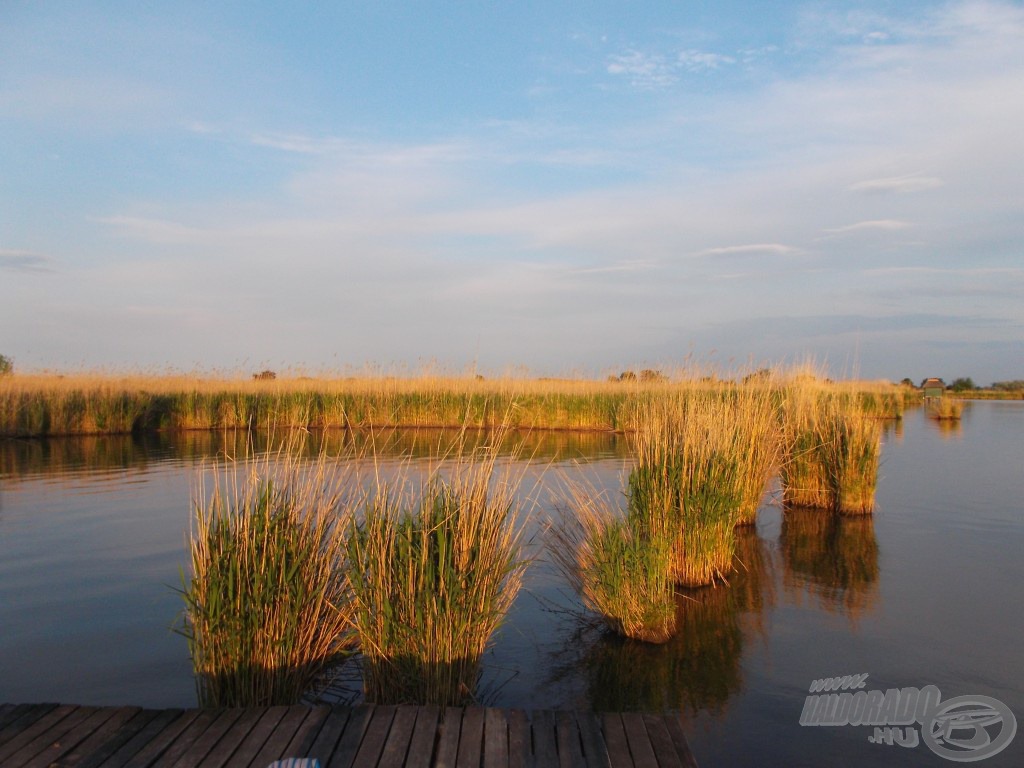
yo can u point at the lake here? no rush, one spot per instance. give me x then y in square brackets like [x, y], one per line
[927, 591]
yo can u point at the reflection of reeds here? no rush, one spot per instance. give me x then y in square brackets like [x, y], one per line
[836, 556]
[619, 571]
[267, 608]
[433, 575]
[699, 669]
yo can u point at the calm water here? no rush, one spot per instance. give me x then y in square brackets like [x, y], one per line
[930, 590]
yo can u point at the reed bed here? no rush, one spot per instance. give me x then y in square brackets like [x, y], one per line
[267, 608]
[433, 572]
[620, 571]
[851, 450]
[944, 408]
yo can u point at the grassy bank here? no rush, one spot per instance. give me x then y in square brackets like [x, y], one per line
[44, 405]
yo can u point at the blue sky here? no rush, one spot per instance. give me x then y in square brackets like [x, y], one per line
[551, 187]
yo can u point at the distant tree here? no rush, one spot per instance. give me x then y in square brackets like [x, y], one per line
[648, 374]
[627, 376]
[908, 382]
[1009, 386]
[962, 385]
[266, 375]
[762, 374]
[6, 365]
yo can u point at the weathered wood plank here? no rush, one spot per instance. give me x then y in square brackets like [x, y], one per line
[95, 735]
[520, 747]
[253, 742]
[396, 747]
[306, 734]
[661, 742]
[545, 745]
[186, 739]
[329, 734]
[639, 742]
[69, 734]
[376, 735]
[421, 746]
[352, 738]
[495, 738]
[34, 726]
[151, 751]
[20, 718]
[595, 751]
[471, 738]
[277, 744]
[230, 739]
[674, 723]
[41, 736]
[47, 739]
[570, 748]
[137, 735]
[209, 739]
[448, 738]
[615, 740]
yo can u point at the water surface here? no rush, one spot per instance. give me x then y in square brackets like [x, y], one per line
[928, 590]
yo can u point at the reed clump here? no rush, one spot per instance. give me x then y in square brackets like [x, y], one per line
[832, 450]
[620, 571]
[687, 486]
[433, 574]
[851, 450]
[944, 408]
[267, 608]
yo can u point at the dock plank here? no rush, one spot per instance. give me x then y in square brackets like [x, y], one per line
[367, 736]
[329, 735]
[448, 738]
[421, 746]
[495, 738]
[471, 738]
[352, 738]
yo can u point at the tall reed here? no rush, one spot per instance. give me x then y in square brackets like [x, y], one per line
[267, 608]
[687, 485]
[944, 408]
[851, 450]
[619, 570]
[433, 572]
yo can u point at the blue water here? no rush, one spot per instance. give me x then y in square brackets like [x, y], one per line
[928, 590]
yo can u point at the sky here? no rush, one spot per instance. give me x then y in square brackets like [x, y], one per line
[559, 188]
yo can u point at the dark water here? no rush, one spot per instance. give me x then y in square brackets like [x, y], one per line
[928, 591]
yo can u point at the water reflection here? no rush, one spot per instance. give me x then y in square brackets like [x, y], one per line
[56, 456]
[700, 668]
[832, 557]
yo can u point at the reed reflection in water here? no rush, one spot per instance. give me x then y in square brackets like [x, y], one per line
[700, 668]
[832, 557]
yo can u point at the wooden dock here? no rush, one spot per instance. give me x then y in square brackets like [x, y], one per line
[47, 735]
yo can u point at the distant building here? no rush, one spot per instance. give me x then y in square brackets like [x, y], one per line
[933, 387]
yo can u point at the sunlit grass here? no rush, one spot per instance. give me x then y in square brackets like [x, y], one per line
[619, 570]
[434, 570]
[267, 608]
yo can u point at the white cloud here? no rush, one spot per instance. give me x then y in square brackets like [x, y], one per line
[644, 70]
[700, 61]
[899, 184]
[766, 249]
[884, 225]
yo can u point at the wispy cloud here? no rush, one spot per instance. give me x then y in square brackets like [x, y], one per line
[754, 249]
[875, 225]
[701, 61]
[644, 70]
[24, 261]
[898, 184]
